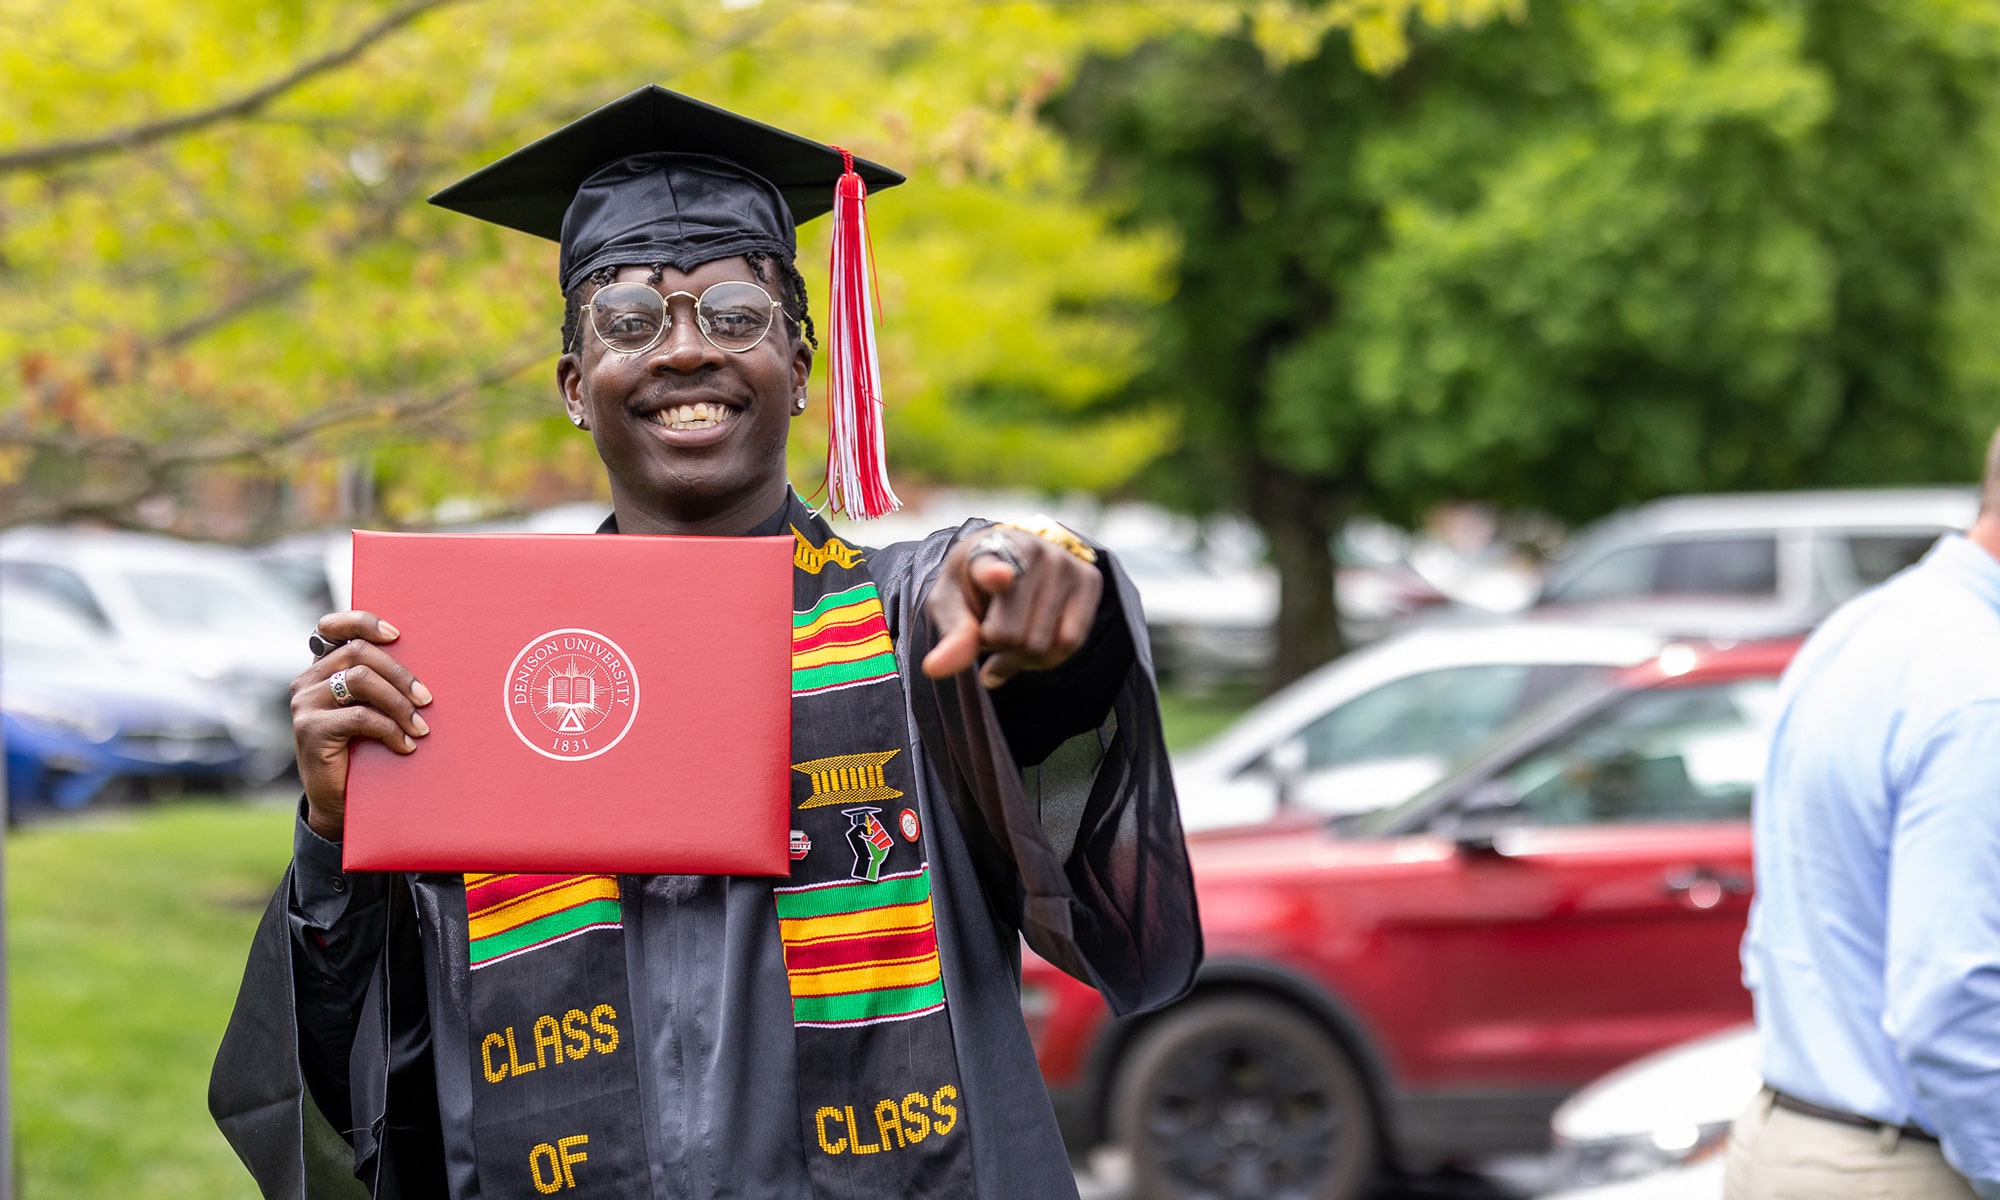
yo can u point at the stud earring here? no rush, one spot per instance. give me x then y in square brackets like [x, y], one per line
[576, 419]
[799, 405]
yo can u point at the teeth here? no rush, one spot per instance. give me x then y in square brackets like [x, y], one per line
[693, 416]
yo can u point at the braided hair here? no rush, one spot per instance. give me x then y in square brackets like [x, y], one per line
[779, 274]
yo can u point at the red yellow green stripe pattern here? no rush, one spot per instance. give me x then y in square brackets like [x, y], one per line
[841, 642]
[514, 914]
[861, 953]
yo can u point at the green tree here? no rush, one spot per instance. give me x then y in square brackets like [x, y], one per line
[217, 262]
[1618, 249]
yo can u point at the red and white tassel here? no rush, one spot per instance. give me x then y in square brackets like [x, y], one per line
[857, 470]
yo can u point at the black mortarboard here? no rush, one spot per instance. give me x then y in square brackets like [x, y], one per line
[658, 177]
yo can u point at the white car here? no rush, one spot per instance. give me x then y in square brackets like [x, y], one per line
[1657, 1129]
[1748, 566]
[1381, 724]
[1206, 623]
[207, 610]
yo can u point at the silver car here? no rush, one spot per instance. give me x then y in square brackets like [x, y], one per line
[1748, 565]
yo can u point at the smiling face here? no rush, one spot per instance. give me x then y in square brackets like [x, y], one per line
[693, 436]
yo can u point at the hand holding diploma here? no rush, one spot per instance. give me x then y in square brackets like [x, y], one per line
[355, 690]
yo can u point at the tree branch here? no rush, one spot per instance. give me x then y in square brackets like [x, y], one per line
[146, 133]
[139, 468]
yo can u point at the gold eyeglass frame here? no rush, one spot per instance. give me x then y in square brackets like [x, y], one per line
[667, 309]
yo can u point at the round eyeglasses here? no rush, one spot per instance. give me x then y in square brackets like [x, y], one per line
[631, 318]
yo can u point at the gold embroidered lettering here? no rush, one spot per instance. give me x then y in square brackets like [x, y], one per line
[514, 1064]
[572, 1027]
[554, 1183]
[855, 1131]
[600, 1020]
[947, 1114]
[830, 1145]
[548, 1036]
[892, 1122]
[487, 1046]
[899, 1125]
[916, 1121]
[570, 1157]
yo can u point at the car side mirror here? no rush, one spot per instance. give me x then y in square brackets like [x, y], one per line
[1478, 820]
[1286, 765]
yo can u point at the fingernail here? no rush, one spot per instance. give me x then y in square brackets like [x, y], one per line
[389, 631]
[409, 743]
[419, 693]
[422, 726]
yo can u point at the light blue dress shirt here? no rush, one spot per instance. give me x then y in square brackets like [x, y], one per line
[1874, 942]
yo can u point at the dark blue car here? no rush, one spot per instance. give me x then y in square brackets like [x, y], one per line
[80, 722]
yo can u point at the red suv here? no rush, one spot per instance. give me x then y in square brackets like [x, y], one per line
[1426, 983]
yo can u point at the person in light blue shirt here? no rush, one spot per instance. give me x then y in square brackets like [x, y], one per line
[1873, 950]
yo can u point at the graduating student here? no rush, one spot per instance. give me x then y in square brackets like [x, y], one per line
[850, 1031]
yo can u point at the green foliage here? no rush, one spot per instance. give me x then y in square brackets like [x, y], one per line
[1617, 249]
[262, 289]
[126, 937]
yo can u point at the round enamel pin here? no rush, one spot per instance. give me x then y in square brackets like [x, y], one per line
[908, 822]
[571, 694]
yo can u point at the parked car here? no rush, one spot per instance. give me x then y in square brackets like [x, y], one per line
[1379, 725]
[1749, 565]
[1426, 983]
[1206, 624]
[1658, 1128]
[178, 606]
[80, 721]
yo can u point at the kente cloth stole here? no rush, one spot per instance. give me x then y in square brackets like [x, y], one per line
[556, 1099]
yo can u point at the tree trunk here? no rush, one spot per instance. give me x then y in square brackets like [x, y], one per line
[1299, 519]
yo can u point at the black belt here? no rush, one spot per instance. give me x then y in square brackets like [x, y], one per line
[1807, 1108]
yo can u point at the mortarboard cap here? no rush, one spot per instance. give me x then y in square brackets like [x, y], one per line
[656, 176]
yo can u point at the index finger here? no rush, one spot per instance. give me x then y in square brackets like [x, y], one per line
[958, 634]
[346, 626]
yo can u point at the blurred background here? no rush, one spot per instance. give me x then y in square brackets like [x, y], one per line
[1485, 396]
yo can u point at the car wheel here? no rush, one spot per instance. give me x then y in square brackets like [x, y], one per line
[1243, 1099]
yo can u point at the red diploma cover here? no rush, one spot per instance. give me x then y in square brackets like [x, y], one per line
[602, 705]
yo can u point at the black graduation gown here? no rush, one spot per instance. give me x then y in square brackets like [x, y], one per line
[352, 1018]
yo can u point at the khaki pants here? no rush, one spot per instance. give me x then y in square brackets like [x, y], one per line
[1777, 1154]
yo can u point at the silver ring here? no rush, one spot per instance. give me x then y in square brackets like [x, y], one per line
[1000, 546]
[337, 683]
[323, 646]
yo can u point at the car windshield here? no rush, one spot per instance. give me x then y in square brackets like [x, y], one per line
[42, 635]
[189, 600]
[1585, 692]
[1687, 752]
[1669, 754]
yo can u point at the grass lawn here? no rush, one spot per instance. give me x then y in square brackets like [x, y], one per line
[126, 934]
[1191, 718]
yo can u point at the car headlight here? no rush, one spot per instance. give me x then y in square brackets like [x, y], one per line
[1667, 1148]
[67, 718]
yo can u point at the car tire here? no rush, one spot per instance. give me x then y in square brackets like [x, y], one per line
[1243, 1098]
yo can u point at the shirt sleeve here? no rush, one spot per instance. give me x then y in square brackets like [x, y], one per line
[1942, 976]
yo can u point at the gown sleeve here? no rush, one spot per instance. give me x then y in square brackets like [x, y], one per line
[329, 1039]
[1096, 873]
